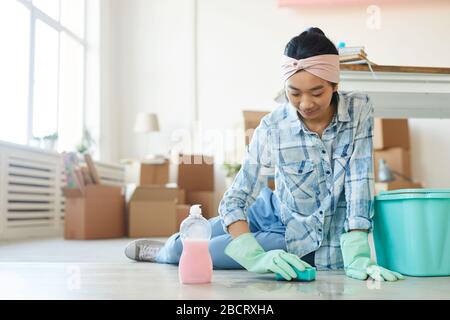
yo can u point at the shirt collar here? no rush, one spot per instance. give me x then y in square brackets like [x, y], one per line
[343, 113]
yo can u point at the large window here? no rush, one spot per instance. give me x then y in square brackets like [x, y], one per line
[42, 70]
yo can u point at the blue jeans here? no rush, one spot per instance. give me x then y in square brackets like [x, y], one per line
[264, 223]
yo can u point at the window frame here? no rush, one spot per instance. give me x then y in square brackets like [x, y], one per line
[37, 14]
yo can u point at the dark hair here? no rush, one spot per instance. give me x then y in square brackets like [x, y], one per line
[311, 42]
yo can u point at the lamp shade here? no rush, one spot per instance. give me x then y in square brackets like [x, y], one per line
[146, 122]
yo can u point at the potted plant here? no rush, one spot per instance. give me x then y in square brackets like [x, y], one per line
[231, 170]
[36, 142]
[86, 144]
[50, 141]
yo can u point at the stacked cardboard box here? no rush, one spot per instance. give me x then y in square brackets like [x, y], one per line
[156, 208]
[155, 211]
[152, 174]
[391, 142]
[196, 177]
[251, 121]
[151, 206]
[148, 172]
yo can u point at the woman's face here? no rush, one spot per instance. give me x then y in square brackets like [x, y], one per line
[310, 95]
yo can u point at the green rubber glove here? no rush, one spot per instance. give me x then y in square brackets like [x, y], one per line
[356, 253]
[248, 253]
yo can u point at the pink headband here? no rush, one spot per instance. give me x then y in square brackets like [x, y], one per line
[325, 66]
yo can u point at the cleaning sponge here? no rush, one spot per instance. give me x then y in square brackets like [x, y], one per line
[309, 274]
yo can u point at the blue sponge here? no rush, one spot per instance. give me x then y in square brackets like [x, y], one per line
[308, 275]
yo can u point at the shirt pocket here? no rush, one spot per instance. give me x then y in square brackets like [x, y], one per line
[341, 155]
[301, 179]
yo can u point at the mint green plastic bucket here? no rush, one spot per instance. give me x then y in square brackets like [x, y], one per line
[412, 231]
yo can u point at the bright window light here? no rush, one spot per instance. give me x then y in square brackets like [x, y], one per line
[42, 71]
[14, 66]
[45, 111]
[49, 7]
[72, 16]
[71, 93]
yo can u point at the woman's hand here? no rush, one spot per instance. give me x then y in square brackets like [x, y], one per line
[356, 253]
[248, 253]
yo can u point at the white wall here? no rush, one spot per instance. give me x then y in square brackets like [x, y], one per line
[110, 146]
[151, 55]
[153, 66]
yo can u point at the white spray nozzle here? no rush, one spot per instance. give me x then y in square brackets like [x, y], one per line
[196, 210]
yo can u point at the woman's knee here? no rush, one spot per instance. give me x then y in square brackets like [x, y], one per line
[171, 251]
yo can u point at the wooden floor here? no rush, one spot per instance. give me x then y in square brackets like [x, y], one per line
[58, 269]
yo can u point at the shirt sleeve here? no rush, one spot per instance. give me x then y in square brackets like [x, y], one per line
[250, 179]
[359, 179]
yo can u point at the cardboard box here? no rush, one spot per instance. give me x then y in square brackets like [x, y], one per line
[252, 120]
[395, 185]
[182, 213]
[196, 173]
[391, 133]
[99, 213]
[206, 199]
[154, 174]
[398, 160]
[153, 212]
[181, 196]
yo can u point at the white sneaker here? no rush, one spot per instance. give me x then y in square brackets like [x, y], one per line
[143, 250]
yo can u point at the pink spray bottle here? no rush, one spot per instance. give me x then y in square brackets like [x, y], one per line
[195, 264]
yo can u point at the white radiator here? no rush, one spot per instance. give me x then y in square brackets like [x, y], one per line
[31, 202]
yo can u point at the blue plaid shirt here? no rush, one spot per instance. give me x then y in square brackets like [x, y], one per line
[325, 185]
